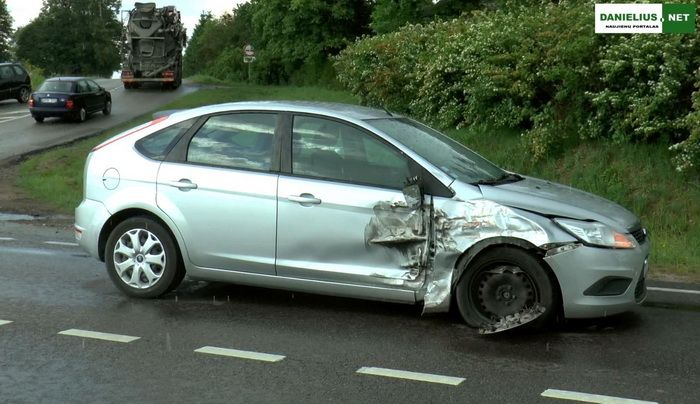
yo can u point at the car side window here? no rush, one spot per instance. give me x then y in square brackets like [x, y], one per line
[92, 86]
[244, 140]
[5, 72]
[18, 71]
[333, 150]
[83, 87]
[158, 144]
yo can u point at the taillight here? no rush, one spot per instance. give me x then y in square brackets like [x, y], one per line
[31, 103]
[69, 104]
[168, 74]
[127, 74]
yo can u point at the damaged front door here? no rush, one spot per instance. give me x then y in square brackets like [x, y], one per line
[342, 179]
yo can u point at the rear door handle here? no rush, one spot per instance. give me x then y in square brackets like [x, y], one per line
[304, 199]
[183, 185]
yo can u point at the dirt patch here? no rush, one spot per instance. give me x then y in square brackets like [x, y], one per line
[14, 200]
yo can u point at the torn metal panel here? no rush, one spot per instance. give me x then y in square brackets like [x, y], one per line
[511, 321]
[431, 239]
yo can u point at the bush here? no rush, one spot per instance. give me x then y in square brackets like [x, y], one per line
[537, 66]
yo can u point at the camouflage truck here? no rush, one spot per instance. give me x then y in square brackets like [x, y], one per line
[152, 46]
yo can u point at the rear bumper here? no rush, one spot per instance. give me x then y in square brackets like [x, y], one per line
[90, 217]
[578, 270]
[51, 111]
[149, 80]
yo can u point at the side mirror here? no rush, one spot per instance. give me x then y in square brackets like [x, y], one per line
[413, 193]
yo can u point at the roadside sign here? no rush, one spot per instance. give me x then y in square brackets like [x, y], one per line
[248, 59]
[249, 50]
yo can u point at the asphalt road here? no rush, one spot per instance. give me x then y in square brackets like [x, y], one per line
[19, 133]
[49, 286]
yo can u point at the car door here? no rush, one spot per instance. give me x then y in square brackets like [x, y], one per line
[219, 187]
[97, 94]
[5, 82]
[342, 180]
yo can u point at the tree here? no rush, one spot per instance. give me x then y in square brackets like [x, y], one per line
[5, 31]
[390, 15]
[73, 37]
[192, 60]
[296, 37]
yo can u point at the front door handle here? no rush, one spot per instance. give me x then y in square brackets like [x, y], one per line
[183, 184]
[304, 199]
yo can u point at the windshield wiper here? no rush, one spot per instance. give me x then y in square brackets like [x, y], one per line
[503, 179]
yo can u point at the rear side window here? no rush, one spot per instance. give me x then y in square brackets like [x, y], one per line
[236, 140]
[157, 145]
[5, 72]
[18, 71]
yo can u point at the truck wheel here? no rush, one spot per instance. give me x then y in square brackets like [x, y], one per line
[127, 86]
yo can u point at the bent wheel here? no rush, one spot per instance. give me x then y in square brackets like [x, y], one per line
[142, 259]
[502, 282]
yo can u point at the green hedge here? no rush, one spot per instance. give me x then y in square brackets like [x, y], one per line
[538, 66]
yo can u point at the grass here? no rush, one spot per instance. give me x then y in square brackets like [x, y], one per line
[638, 177]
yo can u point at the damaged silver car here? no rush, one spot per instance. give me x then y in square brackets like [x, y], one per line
[352, 201]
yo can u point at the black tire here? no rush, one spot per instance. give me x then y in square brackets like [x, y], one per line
[107, 108]
[38, 119]
[127, 86]
[81, 116]
[23, 96]
[169, 270]
[503, 281]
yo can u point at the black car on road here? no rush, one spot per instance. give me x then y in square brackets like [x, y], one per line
[69, 97]
[15, 82]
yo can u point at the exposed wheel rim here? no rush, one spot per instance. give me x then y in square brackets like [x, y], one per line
[83, 114]
[108, 107]
[502, 290]
[139, 258]
[24, 95]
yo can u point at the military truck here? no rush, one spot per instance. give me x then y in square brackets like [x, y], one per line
[152, 46]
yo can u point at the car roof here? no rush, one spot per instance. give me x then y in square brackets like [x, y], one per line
[347, 111]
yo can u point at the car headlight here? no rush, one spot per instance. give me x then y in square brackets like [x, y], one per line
[597, 234]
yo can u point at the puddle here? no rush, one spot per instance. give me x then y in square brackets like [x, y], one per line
[14, 216]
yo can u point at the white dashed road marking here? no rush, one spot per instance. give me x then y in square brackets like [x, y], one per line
[692, 292]
[235, 353]
[99, 335]
[6, 239]
[61, 243]
[402, 374]
[3, 322]
[591, 398]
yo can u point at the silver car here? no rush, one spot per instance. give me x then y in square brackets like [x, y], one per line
[352, 201]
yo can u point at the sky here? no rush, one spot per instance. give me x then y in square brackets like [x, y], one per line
[23, 11]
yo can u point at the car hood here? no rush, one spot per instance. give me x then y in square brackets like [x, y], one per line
[552, 199]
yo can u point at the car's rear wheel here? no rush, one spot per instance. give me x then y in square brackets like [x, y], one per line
[82, 114]
[502, 282]
[108, 107]
[38, 118]
[23, 96]
[142, 259]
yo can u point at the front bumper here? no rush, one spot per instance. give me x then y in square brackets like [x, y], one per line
[90, 217]
[578, 270]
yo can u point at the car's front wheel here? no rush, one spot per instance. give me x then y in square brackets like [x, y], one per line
[23, 96]
[142, 259]
[108, 107]
[504, 287]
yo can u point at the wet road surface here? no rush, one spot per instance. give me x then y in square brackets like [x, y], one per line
[292, 347]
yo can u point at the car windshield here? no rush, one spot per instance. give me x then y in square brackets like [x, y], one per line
[448, 155]
[56, 86]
